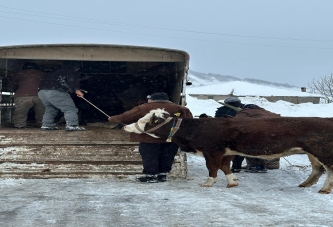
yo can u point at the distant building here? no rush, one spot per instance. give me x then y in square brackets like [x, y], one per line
[291, 99]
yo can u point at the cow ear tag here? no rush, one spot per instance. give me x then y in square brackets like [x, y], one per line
[177, 114]
[156, 121]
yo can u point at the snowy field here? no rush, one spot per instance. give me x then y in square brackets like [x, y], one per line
[265, 199]
[261, 199]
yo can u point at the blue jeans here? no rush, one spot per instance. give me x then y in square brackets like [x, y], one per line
[54, 101]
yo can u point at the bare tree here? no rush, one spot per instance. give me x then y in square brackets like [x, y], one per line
[324, 86]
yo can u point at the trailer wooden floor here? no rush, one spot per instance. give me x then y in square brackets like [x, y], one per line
[96, 152]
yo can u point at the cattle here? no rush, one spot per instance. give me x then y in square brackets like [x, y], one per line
[265, 138]
[217, 158]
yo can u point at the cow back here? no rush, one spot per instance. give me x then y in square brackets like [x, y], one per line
[256, 113]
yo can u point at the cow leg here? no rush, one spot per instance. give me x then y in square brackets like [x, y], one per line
[212, 163]
[225, 167]
[328, 185]
[317, 171]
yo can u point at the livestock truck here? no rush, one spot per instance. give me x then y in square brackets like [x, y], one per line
[115, 78]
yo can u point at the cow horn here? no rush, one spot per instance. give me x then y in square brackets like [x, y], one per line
[231, 107]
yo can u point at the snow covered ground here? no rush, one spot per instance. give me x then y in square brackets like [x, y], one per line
[265, 199]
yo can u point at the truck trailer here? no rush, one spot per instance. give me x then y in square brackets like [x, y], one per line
[115, 78]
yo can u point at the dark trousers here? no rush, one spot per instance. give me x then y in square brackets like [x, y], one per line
[237, 162]
[157, 157]
[22, 107]
[255, 162]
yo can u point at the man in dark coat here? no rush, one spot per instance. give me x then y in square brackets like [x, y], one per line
[55, 92]
[225, 111]
[27, 82]
[157, 154]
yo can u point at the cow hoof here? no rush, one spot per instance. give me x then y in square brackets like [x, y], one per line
[206, 185]
[232, 185]
[324, 192]
[304, 185]
[210, 182]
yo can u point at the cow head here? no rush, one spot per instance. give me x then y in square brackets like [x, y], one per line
[152, 118]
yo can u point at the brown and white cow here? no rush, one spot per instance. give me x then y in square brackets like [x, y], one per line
[215, 159]
[265, 138]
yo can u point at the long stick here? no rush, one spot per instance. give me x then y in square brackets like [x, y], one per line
[95, 107]
[231, 107]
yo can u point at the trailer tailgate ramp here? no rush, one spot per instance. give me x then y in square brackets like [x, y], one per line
[96, 152]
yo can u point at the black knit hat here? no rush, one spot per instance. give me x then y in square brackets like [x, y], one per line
[158, 96]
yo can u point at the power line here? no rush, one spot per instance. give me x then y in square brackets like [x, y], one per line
[157, 28]
[172, 37]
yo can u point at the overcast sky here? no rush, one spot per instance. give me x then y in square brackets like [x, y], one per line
[285, 41]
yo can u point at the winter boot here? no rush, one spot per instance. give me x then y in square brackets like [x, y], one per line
[256, 169]
[22, 127]
[162, 177]
[49, 128]
[262, 169]
[148, 179]
[235, 170]
[74, 128]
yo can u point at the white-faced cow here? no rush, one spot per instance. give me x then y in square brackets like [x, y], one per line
[265, 138]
